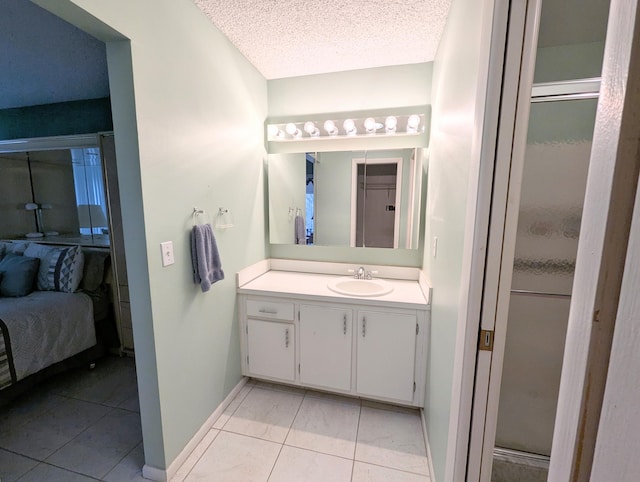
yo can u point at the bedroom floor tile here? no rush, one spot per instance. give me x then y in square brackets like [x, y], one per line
[27, 408]
[129, 469]
[45, 434]
[112, 382]
[84, 440]
[53, 474]
[102, 446]
[12, 466]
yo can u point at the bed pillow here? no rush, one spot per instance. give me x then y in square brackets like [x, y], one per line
[18, 275]
[15, 247]
[60, 267]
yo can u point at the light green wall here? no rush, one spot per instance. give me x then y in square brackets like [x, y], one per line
[365, 89]
[459, 83]
[188, 115]
[395, 86]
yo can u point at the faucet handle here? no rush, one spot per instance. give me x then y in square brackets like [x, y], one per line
[353, 272]
[371, 273]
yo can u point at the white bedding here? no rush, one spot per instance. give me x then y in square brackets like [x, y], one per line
[46, 327]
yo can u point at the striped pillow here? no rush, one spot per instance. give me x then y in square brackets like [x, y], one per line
[60, 267]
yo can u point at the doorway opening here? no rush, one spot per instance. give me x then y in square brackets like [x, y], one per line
[377, 192]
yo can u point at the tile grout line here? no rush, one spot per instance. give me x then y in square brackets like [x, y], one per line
[235, 409]
[275, 462]
[78, 435]
[57, 467]
[355, 446]
[201, 455]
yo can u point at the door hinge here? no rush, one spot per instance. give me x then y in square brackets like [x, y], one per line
[298, 368]
[414, 387]
[247, 359]
[246, 328]
[298, 315]
[486, 340]
[417, 328]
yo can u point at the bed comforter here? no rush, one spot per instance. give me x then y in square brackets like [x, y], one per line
[41, 329]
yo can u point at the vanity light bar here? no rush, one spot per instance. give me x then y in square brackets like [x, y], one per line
[410, 124]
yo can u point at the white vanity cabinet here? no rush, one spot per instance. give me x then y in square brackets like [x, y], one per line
[386, 354]
[326, 346]
[270, 340]
[350, 346]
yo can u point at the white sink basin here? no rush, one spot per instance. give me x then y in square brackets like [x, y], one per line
[360, 287]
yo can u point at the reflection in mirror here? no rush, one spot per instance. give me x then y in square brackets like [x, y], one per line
[346, 198]
[57, 193]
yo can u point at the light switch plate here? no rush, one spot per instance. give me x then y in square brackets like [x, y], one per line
[167, 253]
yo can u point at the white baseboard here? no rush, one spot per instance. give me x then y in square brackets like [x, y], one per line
[432, 476]
[161, 475]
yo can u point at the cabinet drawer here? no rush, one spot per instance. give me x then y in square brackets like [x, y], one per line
[275, 310]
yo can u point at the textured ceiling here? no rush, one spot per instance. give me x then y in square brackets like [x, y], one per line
[288, 38]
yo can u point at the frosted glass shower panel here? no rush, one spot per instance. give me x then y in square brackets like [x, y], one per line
[553, 186]
[531, 372]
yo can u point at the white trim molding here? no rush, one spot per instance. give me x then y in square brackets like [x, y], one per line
[162, 475]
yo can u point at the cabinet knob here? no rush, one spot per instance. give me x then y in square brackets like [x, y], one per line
[286, 338]
[364, 327]
[344, 324]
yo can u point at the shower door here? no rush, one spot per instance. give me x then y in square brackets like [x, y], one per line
[551, 199]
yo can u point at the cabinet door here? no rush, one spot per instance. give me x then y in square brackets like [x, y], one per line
[271, 350]
[386, 355]
[325, 347]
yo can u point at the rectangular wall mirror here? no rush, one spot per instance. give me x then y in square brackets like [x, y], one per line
[56, 192]
[366, 198]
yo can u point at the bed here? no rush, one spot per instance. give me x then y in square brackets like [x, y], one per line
[54, 311]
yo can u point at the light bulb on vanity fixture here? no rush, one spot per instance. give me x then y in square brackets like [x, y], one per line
[350, 127]
[274, 132]
[331, 128]
[293, 130]
[413, 123]
[370, 125]
[390, 124]
[311, 129]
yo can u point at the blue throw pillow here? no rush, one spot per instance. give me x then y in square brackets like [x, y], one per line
[18, 275]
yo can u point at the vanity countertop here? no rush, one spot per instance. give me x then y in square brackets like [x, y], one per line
[405, 294]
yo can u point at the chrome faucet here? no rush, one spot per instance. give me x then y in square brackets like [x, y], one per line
[361, 273]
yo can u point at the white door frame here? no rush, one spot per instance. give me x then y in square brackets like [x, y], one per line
[355, 162]
[611, 188]
[512, 67]
[481, 179]
[604, 234]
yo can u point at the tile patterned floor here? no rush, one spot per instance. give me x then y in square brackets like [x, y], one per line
[281, 434]
[78, 426]
[85, 426]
